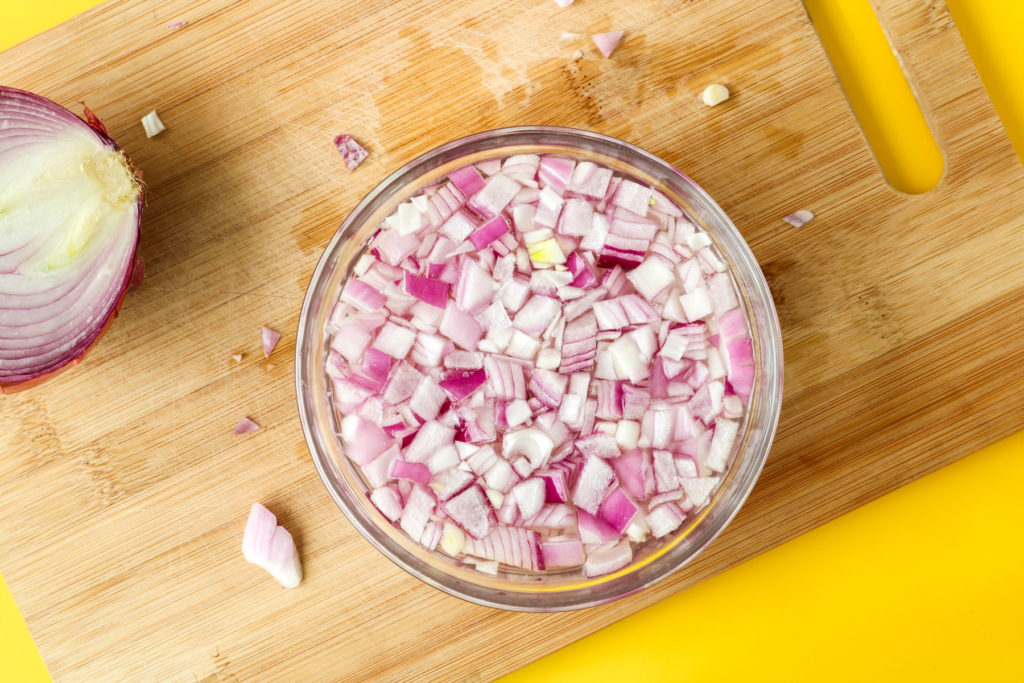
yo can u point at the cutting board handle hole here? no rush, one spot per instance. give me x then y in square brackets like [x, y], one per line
[879, 93]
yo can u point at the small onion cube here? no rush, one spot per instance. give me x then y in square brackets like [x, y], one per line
[652, 277]
[562, 552]
[269, 339]
[467, 179]
[459, 226]
[530, 496]
[489, 231]
[413, 471]
[630, 468]
[471, 511]
[721, 444]
[495, 195]
[798, 218]
[618, 510]
[698, 490]
[433, 292]
[246, 426]
[555, 172]
[533, 443]
[388, 501]
[153, 126]
[595, 477]
[461, 383]
[416, 513]
[665, 473]
[665, 519]
[432, 435]
[606, 43]
[453, 540]
[362, 439]
[633, 197]
[696, 304]
[461, 328]
[351, 151]
[590, 180]
[593, 530]
[363, 296]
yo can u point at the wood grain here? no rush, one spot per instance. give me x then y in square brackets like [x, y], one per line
[124, 489]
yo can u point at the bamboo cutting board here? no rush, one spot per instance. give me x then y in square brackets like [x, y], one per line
[123, 490]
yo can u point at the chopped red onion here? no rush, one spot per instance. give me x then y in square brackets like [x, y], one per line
[412, 471]
[246, 426]
[618, 510]
[495, 195]
[433, 292]
[554, 352]
[594, 530]
[467, 179]
[562, 552]
[798, 218]
[351, 151]
[416, 513]
[471, 511]
[268, 545]
[388, 501]
[665, 519]
[555, 172]
[607, 42]
[461, 383]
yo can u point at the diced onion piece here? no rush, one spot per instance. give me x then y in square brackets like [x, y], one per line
[698, 490]
[721, 444]
[607, 559]
[798, 218]
[651, 277]
[418, 506]
[546, 253]
[495, 195]
[268, 338]
[664, 519]
[152, 124]
[388, 501]
[618, 510]
[594, 479]
[471, 511]
[696, 304]
[467, 179]
[529, 496]
[351, 151]
[246, 426]
[269, 545]
[453, 540]
[562, 552]
[607, 42]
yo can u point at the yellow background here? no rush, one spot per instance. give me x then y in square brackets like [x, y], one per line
[926, 583]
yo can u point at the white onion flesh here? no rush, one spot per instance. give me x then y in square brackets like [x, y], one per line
[70, 207]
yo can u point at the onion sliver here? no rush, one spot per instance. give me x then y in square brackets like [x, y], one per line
[70, 210]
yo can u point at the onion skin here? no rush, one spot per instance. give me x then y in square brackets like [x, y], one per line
[130, 279]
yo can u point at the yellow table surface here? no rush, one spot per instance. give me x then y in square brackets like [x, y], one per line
[926, 583]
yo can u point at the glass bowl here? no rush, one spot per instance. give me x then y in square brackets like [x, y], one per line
[536, 591]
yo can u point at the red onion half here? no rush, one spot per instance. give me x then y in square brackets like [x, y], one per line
[70, 210]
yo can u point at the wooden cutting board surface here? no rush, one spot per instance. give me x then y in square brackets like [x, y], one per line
[124, 492]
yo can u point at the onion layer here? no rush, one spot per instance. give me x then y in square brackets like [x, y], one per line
[70, 210]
